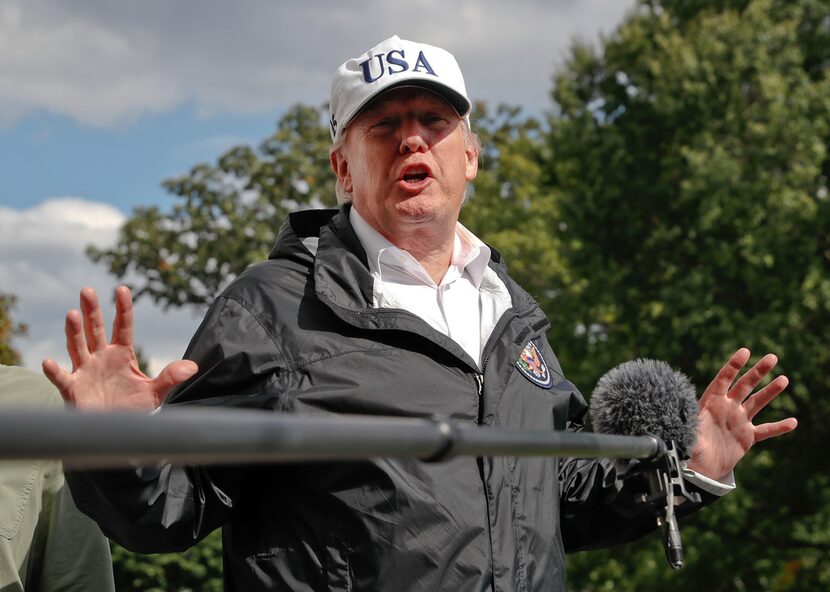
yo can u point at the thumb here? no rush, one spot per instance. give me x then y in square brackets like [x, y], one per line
[58, 377]
[174, 373]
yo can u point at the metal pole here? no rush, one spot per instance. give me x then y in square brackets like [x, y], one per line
[232, 436]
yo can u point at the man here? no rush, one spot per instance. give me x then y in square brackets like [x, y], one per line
[46, 544]
[389, 307]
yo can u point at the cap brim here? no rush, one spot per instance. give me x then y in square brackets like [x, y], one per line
[458, 101]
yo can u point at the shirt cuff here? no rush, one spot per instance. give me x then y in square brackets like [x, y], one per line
[715, 487]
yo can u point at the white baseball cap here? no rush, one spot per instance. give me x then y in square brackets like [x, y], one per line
[392, 63]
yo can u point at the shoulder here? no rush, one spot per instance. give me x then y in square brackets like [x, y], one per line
[290, 264]
[266, 287]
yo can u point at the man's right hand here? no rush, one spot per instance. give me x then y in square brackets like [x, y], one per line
[105, 376]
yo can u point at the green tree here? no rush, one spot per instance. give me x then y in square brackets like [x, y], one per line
[199, 569]
[227, 214]
[9, 329]
[690, 164]
[511, 207]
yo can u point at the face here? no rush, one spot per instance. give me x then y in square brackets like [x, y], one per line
[406, 162]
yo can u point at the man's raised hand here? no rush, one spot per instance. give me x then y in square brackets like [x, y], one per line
[727, 408]
[105, 376]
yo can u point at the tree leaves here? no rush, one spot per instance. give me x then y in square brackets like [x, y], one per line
[691, 164]
[9, 329]
[227, 215]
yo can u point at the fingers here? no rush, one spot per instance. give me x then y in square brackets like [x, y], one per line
[122, 327]
[76, 345]
[759, 400]
[726, 375]
[755, 375]
[173, 374]
[770, 430]
[85, 333]
[59, 377]
[96, 334]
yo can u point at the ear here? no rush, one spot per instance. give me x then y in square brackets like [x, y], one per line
[471, 154]
[340, 166]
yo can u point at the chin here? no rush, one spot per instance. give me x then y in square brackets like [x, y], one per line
[416, 208]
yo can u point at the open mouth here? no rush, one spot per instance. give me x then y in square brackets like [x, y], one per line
[414, 176]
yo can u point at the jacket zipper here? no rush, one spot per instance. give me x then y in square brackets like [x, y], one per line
[480, 386]
[494, 339]
[501, 327]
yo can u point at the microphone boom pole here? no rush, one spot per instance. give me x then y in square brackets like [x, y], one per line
[214, 436]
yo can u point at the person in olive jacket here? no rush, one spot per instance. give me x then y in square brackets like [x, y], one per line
[46, 544]
[385, 306]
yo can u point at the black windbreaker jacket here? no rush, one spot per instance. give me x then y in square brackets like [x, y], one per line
[298, 334]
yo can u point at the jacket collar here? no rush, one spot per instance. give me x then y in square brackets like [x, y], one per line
[325, 241]
[341, 269]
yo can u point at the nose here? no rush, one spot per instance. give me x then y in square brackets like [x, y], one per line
[414, 136]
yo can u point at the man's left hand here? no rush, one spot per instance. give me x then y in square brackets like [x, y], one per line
[725, 430]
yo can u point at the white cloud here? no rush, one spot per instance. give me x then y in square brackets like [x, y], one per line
[76, 67]
[42, 262]
[106, 62]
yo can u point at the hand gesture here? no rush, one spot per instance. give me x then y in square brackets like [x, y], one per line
[725, 429]
[106, 376]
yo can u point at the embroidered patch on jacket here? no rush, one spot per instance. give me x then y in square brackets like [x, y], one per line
[533, 366]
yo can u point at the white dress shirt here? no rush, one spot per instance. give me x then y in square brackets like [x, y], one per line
[465, 306]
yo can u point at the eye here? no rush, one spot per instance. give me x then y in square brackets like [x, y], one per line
[382, 126]
[435, 120]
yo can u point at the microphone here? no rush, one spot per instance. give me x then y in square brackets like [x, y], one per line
[646, 397]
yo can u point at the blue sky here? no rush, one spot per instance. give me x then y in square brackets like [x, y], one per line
[48, 155]
[101, 100]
